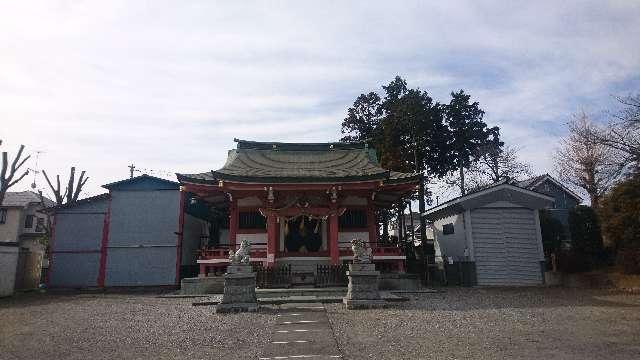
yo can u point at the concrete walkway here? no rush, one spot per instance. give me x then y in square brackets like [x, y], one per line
[302, 331]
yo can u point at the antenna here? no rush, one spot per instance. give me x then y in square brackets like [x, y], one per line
[36, 170]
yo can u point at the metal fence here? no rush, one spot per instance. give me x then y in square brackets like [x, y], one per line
[331, 276]
[275, 277]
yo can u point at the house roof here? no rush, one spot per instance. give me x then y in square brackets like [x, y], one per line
[503, 191]
[533, 182]
[24, 198]
[144, 179]
[274, 162]
[87, 200]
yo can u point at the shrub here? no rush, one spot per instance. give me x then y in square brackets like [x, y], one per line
[574, 262]
[584, 226]
[552, 232]
[620, 213]
[629, 261]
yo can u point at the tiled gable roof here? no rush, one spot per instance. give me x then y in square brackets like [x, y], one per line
[24, 198]
[536, 180]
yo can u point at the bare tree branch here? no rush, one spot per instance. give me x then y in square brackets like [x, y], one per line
[72, 190]
[56, 190]
[81, 183]
[7, 173]
[18, 179]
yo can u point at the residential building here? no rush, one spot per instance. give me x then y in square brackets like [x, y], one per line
[21, 219]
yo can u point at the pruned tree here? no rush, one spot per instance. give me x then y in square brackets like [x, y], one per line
[72, 190]
[8, 172]
[586, 163]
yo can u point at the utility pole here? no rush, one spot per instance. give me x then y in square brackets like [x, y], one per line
[132, 168]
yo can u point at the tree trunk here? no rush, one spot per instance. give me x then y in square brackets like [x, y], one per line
[400, 224]
[462, 192]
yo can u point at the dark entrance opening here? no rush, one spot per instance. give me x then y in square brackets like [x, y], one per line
[303, 235]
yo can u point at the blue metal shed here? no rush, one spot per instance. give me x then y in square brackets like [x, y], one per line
[75, 245]
[142, 247]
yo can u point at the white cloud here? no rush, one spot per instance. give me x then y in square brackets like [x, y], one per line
[100, 85]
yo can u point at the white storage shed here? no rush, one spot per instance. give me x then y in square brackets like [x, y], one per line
[497, 229]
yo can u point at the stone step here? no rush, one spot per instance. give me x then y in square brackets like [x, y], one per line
[333, 291]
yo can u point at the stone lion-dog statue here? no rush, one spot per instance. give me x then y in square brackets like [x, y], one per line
[242, 255]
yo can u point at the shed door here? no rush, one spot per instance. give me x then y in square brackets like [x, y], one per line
[506, 247]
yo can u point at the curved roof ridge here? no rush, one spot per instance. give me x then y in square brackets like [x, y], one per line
[290, 146]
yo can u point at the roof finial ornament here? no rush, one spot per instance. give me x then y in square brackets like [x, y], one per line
[270, 197]
[333, 194]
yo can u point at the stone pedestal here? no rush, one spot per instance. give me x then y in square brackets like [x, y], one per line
[239, 290]
[363, 287]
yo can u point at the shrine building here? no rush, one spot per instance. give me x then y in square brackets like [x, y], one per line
[298, 204]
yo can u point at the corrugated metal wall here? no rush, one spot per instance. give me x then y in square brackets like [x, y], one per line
[506, 248]
[142, 237]
[75, 249]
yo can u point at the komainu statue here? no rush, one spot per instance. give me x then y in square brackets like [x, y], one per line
[242, 255]
[361, 251]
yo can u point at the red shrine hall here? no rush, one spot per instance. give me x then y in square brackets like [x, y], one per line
[296, 203]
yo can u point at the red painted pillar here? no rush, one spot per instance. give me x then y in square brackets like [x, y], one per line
[102, 270]
[51, 248]
[372, 224]
[334, 251]
[272, 239]
[180, 236]
[233, 223]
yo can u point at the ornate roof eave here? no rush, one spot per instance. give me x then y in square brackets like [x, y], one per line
[216, 177]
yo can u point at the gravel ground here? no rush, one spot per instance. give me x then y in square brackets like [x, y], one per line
[454, 324]
[117, 326]
[543, 323]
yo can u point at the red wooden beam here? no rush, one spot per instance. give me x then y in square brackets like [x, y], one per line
[334, 251]
[233, 223]
[229, 185]
[50, 249]
[103, 246]
[180, 237]
[372, 223]
[271, 239]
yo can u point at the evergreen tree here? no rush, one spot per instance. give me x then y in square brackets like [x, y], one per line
[469, 133]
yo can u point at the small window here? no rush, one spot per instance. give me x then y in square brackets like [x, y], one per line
[40, 225]
[3, 216]
[447, 229]
[251, 220]
[28, 222]
[351, 219]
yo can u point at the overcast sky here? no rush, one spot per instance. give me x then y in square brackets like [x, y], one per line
[167, 85]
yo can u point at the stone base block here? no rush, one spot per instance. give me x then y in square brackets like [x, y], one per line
[364, 304]
[202, 285]
[236, 307]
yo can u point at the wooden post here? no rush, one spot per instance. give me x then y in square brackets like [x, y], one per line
[233, 223]
[272, 239]
[334, 250]
[102, 270]
[180, 236]
[372, 224]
